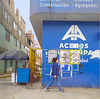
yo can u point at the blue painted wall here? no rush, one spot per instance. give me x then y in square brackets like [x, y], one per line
[53, 32]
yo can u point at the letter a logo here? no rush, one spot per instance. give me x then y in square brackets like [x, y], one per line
[74, 32]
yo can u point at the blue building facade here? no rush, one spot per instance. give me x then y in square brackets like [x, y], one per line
[53, 32]
[69, 25]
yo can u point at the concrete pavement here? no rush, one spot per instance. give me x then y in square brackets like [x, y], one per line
[70, 93]
[9, 91]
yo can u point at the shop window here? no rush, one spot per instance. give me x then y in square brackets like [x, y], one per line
[6, 15]
[7, 35]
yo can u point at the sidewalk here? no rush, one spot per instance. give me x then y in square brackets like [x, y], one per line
[7, 89]
[21, 91]
[37, 92]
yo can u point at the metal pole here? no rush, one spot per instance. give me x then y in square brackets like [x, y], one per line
[50, 4]
[16, 66]
[31, 63]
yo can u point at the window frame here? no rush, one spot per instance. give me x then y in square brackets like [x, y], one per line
[20, 32]
[6, 14]
[15, 26]
[15, 41]
[8, 18]
[7, 36]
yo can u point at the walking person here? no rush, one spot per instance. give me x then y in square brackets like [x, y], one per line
[54, 75]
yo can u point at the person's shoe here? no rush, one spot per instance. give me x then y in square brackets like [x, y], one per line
[45, 89]
[61, 91]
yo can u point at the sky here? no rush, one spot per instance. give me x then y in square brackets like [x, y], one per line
[24, 9]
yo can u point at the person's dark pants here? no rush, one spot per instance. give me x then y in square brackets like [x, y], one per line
[52, 79]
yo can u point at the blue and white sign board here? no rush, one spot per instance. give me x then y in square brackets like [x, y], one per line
[64, 35]
[65, 6]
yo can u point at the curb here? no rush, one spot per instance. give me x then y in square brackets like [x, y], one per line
[5, 76]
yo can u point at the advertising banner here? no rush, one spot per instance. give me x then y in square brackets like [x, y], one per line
[75, 57]
[64, 56]
[52, 54]
[69, 57]
[65, 6]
